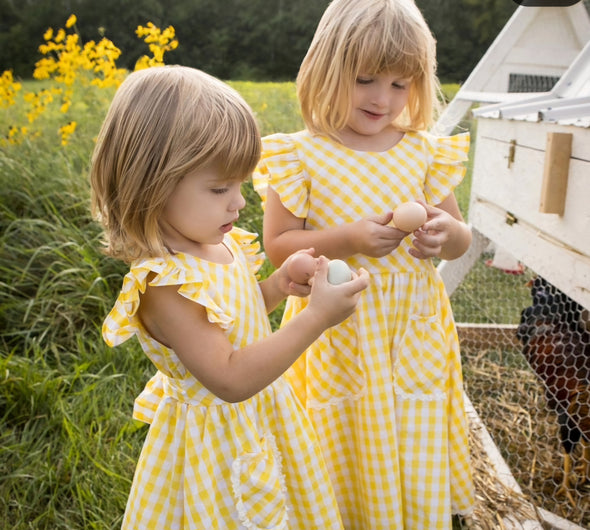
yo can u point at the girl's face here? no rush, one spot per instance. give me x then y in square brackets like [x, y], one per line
[377, 100]
[200, 210]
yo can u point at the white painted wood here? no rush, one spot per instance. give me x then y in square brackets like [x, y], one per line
[536, 40]
[517, 189]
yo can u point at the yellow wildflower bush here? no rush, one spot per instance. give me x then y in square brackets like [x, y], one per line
[159, 42]
[8, 89]
[71, 69]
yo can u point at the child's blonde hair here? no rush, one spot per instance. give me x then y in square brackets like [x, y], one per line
[368, 37]
[163, 123]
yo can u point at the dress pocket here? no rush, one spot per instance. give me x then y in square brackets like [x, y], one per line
[333, 369]
[421, 369]
[259, 487]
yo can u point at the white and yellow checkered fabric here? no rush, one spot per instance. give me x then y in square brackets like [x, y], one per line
[208, 464]
[384, 388]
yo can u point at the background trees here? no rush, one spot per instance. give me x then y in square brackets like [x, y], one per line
[235, 39]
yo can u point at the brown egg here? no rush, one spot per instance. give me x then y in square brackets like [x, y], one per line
[409, 216]
[301, 267]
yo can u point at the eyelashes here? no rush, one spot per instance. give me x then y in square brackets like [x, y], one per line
[368, 81]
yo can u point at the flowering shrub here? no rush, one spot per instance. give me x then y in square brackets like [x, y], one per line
[159, 43]
[72, 68]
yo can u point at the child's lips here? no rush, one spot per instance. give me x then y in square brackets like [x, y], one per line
[373, 115]
[228, 226]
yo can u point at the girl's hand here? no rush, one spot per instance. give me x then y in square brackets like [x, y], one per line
[331, 304]
[440, 231]
[374, 237]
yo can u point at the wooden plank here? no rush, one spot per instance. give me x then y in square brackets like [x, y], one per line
[555, 173]
[486, 336]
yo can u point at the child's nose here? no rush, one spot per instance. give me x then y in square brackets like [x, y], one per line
[379, 96]
[238, 201]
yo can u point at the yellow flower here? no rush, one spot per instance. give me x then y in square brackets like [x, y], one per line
[8, 89]
[71, 21]
[66, 131]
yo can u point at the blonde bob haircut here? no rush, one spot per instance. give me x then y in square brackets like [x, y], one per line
[368, 37]
[163, 123]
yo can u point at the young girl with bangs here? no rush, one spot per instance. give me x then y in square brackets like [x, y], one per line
[228, 445]
[383, 388]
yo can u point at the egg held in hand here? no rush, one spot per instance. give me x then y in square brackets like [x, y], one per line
[409, 216]
[338, 272]
[301, 267]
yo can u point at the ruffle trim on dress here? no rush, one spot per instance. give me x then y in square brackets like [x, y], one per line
[268, 444]
[117, 326]
[250, 247]
[280, 168]
[448, 155]
[120, 324]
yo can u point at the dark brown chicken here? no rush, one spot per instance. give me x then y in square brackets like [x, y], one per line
[553, 330]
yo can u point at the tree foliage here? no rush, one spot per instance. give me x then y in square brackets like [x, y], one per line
[235, 39]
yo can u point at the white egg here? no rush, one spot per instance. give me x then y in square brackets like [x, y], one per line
[338, 272]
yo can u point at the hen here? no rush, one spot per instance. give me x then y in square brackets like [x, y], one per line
[556, 344]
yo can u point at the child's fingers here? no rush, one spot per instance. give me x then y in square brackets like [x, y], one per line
[359, 282]
[299, 289]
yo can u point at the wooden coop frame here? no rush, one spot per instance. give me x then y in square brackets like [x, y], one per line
[535, 150]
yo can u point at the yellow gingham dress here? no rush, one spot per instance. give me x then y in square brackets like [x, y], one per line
[207, 464]
[384, 388]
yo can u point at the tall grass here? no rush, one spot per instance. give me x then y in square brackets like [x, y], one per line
[68, 445]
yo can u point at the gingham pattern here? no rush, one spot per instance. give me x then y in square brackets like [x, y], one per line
[207, 464]
[384, 388]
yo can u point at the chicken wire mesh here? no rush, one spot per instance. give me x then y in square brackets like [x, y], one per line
[526, 364]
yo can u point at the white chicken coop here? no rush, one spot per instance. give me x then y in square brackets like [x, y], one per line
[530, 188]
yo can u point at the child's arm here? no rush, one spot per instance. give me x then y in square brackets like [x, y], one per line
[236, 375]
[284, 234]
[444, 235]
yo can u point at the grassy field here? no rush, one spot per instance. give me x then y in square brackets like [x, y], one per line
[68, 445]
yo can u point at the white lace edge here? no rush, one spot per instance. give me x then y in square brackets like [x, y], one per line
[235, 481]
[437, 395]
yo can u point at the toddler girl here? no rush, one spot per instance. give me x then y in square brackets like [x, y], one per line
[228, 445]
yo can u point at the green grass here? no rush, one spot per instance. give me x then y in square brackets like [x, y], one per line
[68, 445]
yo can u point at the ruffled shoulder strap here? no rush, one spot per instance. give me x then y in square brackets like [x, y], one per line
[448, 155]
[193, 277]
[280, 168]
[248, 244]
[121, 322]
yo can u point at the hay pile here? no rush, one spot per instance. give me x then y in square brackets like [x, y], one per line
[494, 501]
[510, 401]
